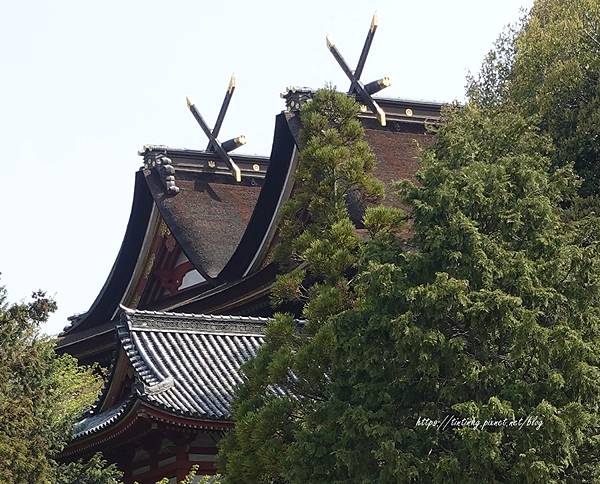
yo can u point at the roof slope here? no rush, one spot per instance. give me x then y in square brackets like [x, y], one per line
[107, 301]
[207, 217]
[189, 364]
[184, 364]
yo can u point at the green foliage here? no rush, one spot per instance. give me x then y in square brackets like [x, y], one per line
[495, 317]
[287, 380]
[491, 313]
[41, 394]
[90, 471]
[497, 314]
[335, 162]
[192, 477]
[548, 67]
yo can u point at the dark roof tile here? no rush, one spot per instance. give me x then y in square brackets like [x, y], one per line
[96, 423]
[189, 364]
[185, 364]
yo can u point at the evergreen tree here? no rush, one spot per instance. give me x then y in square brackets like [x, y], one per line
[495, 317]
[41, 396]
[548, 68]
[95, 470]
[287, 381]
[491, 314]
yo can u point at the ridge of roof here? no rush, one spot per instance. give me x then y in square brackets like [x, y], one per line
[132, 314]
[310, 90]
[191, 152]
[397, 109]
[199, 325]
[200, 161]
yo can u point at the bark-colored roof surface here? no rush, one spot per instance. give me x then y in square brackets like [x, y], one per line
[397, 155]
[207, 217]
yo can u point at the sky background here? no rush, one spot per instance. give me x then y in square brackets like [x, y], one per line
[84, 85]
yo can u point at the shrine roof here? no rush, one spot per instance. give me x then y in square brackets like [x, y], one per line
[226, 228]
[208, 212]
[396, 109]
[189, 364]
[184, 364]
[97, 422]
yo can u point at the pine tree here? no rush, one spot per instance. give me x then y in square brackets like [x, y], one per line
[319, 248]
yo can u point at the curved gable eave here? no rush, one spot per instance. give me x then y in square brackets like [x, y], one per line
[119, 279]
[279, 181]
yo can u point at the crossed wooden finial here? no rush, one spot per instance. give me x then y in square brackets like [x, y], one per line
[357, 88]
[214, 145]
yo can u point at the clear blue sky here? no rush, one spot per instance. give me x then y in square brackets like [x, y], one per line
[85, 84]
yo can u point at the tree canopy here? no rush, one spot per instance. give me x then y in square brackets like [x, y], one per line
[547, 67]
[320, 249]
[470, 354]
[41, 397]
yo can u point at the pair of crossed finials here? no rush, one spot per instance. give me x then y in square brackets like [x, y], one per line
[362, 92]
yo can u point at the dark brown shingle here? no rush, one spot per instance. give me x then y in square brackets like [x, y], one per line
[207, 217]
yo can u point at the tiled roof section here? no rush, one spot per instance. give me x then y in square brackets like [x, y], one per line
[98, 422]
[208, 216]
[189, 364]
[185, 364]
